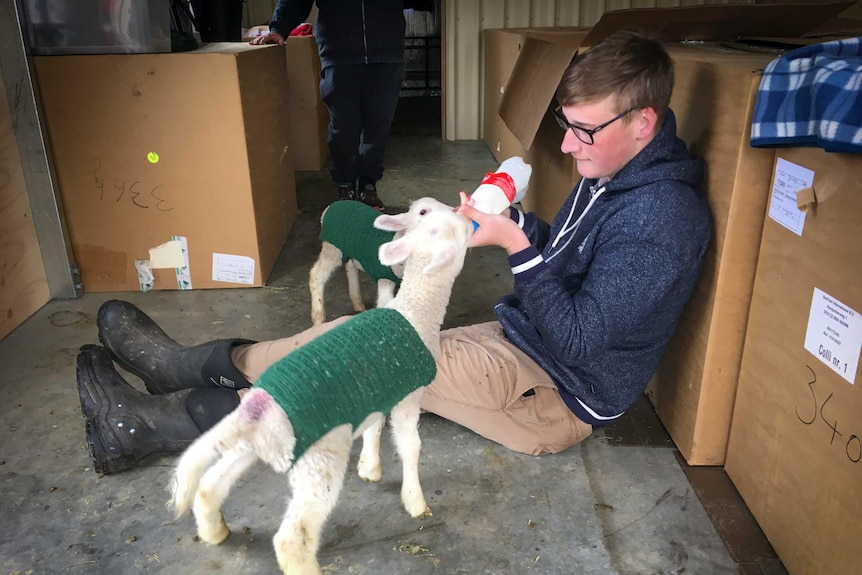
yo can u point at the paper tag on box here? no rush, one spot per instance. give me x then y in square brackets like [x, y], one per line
[834, 334]
[233, 269]
[167, 255]
[783, 208]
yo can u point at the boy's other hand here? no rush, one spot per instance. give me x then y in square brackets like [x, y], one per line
[269, 38]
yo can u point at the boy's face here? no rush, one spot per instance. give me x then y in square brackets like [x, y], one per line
[614, 145]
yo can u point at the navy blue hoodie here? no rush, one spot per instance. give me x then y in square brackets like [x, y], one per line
[348, 31]
[596, 304]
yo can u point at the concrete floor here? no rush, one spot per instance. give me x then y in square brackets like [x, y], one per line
[609, 505]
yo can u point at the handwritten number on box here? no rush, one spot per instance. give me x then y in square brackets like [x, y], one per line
[155, 198]
[853, 447]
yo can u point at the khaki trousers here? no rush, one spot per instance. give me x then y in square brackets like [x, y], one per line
[481, 379]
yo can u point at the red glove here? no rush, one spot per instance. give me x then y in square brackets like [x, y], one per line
[303, 29]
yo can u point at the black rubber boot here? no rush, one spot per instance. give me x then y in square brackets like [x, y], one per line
[124, 425]
[139, 345]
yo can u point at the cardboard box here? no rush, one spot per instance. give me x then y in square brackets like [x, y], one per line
[694, 388]
[188, 149]
[795, 449]
[713, 99]
[309, 117]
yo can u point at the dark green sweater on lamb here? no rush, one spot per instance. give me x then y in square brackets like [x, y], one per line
[349, 226]
[365, 365]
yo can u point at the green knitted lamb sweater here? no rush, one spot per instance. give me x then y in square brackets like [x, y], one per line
[349, 226]
[362, 366]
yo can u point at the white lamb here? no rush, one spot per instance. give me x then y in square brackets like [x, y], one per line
[261, 429]
[350, 238]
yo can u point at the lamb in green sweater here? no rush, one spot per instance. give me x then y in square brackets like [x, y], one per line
[351, 234]
[303, 413]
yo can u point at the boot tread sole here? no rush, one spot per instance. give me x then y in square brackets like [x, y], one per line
[93, 406]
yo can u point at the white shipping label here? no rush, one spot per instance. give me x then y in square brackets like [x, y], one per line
[233, 269]
[789, 179]
[834, 334]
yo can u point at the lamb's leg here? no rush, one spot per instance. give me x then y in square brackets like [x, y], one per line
[213, 490]
[327, 262]
[200, 455]
[405, 431]
[385, 292]
[353, 290]
[369, 458]
[315, 481]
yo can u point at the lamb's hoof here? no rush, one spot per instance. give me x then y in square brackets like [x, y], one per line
[303, 567]
[420, 511]
[372, 475]
[214, 535]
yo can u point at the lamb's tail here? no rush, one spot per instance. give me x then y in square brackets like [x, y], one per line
[258, 424]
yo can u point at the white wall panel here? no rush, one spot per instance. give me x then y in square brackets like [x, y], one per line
[494, 14]
[543, 13]
[570, 12]
[517, 13]
[462, 71]
[591, 12]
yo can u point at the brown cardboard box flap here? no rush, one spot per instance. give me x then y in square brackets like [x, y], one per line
[805, 198]
[542, 61]
[532, 85]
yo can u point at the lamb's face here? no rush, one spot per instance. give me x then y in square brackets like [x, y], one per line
[443, 235]
[410, 219]
[440, 238]
[445, 227]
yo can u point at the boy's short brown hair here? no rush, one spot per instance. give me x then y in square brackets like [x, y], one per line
[627, 64]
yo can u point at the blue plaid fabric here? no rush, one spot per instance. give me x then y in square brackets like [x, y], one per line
[812, 96]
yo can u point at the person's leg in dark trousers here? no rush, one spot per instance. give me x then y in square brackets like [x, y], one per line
[340, 89]
[381, 86]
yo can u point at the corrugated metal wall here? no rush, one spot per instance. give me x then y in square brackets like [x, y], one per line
[463, 22]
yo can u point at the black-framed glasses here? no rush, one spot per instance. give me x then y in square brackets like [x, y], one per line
[583, 134]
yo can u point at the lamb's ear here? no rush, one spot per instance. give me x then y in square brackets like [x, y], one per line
[392, 223]
[394, 252]
[442, 256]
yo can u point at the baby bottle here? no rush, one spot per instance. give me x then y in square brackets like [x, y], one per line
[506, 186]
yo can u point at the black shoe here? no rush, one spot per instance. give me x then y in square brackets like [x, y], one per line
[124, 425]
[368, 196]
[347, 191]
[141, 347]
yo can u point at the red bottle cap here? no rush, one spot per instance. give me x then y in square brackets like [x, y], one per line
[503, 181]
